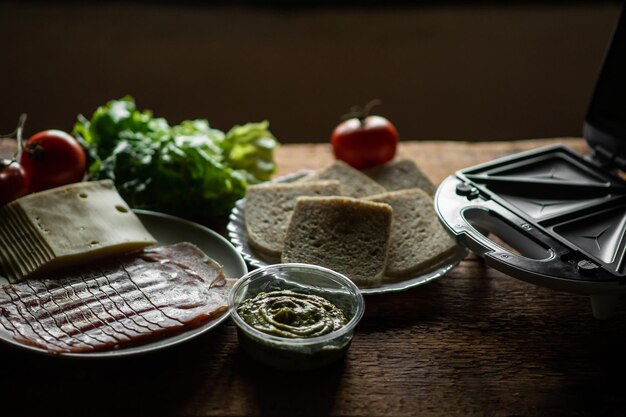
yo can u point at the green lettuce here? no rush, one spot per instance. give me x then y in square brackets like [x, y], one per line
[190, 170]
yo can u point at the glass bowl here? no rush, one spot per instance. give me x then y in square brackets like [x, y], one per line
[304, 352]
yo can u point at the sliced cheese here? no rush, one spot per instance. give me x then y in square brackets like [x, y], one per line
[67, 226]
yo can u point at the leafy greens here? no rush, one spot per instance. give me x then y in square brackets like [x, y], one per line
[190, 169]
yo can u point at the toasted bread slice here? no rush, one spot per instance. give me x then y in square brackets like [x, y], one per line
[353, 182]
[344, 234]
[401, 174]
[268, 208]
[418, 241]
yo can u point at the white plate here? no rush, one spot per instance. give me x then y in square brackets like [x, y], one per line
[167, 230]
[238, 235]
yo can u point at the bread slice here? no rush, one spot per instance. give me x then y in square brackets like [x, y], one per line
[354, 183]
[401, 174]
[418, 241]
[268, 209]
[344, 234]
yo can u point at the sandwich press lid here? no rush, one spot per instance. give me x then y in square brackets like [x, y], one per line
[605, 124]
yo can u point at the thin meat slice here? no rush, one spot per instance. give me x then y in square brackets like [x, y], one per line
[120, 302]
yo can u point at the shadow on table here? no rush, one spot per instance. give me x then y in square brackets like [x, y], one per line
[160, 383]
[284, 393]
[427, 303]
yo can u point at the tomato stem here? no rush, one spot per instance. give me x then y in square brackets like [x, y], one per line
[369, 106]
[361, 113]
[18, 134]
[4, 165]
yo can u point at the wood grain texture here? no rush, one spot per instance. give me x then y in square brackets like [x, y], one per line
[438, 159]
[474, 343]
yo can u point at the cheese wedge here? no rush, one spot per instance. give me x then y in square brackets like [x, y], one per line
[67, 226]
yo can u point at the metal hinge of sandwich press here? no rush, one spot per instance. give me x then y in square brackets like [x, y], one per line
[607, 159]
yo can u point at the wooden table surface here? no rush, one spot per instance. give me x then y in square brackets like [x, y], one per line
[473, 343]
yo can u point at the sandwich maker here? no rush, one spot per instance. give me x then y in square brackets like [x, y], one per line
[550, 216]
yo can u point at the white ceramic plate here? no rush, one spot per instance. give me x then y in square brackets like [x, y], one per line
[167, 230]
[239, 237]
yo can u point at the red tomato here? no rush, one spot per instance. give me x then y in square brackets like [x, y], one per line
[13, 181]
[52, 158]
[365, 143]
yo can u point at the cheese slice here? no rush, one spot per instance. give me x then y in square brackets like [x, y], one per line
[67, 226]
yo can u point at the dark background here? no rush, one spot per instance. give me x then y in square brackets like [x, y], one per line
[443, 70]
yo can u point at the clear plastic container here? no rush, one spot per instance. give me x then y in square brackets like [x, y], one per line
[297, 353]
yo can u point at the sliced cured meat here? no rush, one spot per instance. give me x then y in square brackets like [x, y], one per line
[119, 302]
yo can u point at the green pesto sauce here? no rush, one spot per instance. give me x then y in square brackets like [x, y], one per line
[292, 315]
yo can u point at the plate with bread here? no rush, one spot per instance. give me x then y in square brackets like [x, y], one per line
[378, 227]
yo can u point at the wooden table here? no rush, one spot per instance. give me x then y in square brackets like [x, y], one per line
[474, 343]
